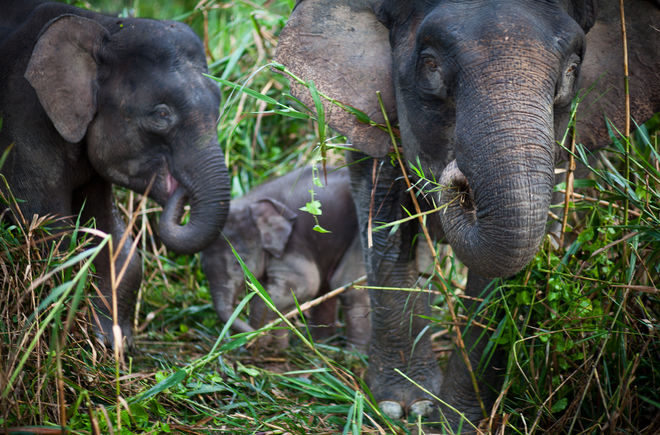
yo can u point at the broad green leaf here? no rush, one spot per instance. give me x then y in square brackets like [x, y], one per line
[312, 207]
[559, 405]
[319, 229]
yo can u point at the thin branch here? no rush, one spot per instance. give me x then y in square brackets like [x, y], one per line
[570, 176]
[624, 43]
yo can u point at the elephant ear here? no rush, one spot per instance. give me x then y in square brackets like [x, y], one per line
[62, 70]
[274, 221]
[342, 47]
[583, 12]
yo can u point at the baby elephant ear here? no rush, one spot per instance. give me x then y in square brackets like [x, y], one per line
[274, 221]
[342, 47]
[62, 71]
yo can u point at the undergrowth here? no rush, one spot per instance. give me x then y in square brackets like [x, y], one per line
[580, 322]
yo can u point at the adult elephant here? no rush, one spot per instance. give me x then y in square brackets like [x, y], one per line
[89, 100]
[481, 90]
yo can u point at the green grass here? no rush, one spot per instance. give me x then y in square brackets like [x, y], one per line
[580, 322]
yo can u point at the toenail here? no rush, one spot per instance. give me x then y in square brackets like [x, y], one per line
[392, 409]
[422, 407]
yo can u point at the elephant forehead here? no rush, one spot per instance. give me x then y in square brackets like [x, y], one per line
[238, 220]
[154, 41]
[186, 85]
[496, 25]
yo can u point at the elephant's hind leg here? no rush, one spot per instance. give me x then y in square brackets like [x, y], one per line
[460, 406]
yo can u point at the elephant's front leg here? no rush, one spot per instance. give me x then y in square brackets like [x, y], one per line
[100, 206]
[461, 401]
[400, 339]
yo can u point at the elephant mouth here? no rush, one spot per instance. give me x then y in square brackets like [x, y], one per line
[173, 196]
[164, 186]
[198, 178]
[171, 184]
[456, 191]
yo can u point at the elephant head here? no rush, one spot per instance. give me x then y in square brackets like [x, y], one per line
[256, 230]
[134, 94]
[474, 87]
[488, 78]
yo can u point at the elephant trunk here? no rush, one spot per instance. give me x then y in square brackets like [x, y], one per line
[224, 306]
[500, 185]
[204, 184]
[225, 285]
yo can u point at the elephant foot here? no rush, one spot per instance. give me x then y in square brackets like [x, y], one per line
[462, 408]
[357, 347]
[276, 340]
[422, 407]
[394, 410]
[398, 397]
[102, 325]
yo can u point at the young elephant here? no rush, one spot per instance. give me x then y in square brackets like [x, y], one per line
[90, 100]
[278, 244]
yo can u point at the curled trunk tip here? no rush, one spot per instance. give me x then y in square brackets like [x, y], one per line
[496, 239]
[209, 206]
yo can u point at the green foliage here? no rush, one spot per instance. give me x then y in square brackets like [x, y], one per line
[313, 206]
[581, 322]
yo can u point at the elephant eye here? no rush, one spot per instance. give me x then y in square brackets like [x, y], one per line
[430, 64]
[431, 79]
[162, 111]
[567, 81]
[161, 118]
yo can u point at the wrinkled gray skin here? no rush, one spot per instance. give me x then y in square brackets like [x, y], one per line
[481, 90]
[90, 100]
[278, 245]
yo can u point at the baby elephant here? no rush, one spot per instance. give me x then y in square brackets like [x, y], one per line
[277, 242]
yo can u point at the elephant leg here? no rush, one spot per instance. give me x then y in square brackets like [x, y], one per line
[323, 319]
[356, 312]
[355, 303]
[98, 204]
[400, 338]
[458, 390]
[261, 314]
[225, 282]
